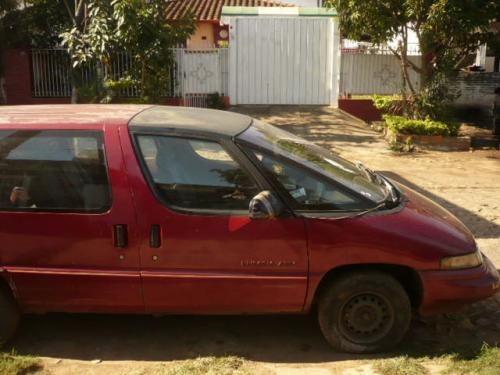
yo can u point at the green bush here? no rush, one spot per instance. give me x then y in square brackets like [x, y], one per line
[387, 104]
[216, 101]
[403, 125]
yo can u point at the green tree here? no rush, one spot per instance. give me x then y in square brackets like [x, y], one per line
[141, 29]
[89, 38]
[94, 30]
[101, 27]
[37, 24]
[447, 31]
[6, 6]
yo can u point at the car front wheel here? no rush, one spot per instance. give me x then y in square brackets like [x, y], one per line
[364, 312]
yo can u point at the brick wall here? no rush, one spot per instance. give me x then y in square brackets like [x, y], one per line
[361, 108]
[17, 80]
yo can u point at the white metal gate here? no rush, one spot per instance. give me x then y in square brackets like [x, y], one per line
[284, 60]
[200, 72]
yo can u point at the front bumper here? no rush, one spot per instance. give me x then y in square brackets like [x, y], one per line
[448, 290]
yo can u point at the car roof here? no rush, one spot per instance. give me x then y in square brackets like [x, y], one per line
[139, 117]
[184, 119]
[68, 114]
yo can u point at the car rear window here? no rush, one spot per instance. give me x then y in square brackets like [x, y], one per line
[55, 170]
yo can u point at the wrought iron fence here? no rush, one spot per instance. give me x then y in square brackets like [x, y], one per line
[193, 75]
[362, 48]
[121, 66]
[51, 73]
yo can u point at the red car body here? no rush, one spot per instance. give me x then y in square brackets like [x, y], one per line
[212, 263]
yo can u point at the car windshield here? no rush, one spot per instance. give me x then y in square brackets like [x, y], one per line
[285, 144]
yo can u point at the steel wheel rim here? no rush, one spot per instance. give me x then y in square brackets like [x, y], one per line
[366, 318]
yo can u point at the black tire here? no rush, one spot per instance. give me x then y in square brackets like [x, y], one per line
[364, 312]
[9, 315]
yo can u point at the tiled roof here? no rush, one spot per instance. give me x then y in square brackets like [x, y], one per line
[210, 10]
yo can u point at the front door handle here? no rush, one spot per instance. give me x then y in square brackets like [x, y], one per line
[120, 235]
[155, 236]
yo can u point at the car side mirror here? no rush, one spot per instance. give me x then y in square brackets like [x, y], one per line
[264, 205]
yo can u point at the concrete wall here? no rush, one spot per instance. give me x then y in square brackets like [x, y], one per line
[203, 37]
[476, 88]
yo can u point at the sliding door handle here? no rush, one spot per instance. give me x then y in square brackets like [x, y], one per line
[120, 235]
[155, 236]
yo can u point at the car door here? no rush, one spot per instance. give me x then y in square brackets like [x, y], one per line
[67, 239]
[200, 251]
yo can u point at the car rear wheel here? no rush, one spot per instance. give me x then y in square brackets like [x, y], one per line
[9, 315]
[364, 312]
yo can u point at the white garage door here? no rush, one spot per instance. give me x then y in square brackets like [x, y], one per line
[287, 60]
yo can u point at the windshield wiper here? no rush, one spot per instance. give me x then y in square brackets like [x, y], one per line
[392, 194]
[391, 198]
[369, 174]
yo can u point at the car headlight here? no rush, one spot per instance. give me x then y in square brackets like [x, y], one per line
[470, 260]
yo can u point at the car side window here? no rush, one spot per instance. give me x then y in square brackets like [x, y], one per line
[195, 174]
[306, 189]
[53, 170]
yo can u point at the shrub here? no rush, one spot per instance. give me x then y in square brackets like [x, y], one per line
[403, 125]
[388, 104]
[216, 101]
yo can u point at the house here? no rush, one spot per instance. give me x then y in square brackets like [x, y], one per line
[210, 32]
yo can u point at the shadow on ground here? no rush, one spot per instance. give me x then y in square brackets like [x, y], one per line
[316, 123]
[479, 226]
[273, 339]
[146, 338]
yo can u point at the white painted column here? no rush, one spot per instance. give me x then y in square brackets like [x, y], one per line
[336, 61]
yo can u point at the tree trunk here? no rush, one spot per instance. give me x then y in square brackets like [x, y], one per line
[74, 89]
[143, 76]
[74, 95]
[3, 95]
[426, 68]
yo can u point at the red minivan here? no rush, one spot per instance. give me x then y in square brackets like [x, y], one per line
[153, 209]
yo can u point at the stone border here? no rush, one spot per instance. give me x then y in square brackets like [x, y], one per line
[430, 142]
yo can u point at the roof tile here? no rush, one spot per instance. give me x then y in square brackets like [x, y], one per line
[210, 10]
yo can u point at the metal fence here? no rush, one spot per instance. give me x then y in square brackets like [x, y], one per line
[51, 73]
[197, 73]
[121, 66]
[193, 75]
[354, 47]
[367, 74]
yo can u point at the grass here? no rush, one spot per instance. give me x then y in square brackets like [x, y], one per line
[227, 365]
[400, 366]
[486, 362]
[12, 364]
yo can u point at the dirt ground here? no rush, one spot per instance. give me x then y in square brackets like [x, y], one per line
[467, 183]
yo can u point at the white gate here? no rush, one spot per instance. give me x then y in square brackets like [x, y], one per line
[199, 73]
[284, 60]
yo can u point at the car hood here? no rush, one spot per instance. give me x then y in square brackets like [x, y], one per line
[436, 225]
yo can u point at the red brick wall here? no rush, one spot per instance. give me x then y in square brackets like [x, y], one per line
[17, 76]
[361, 108]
